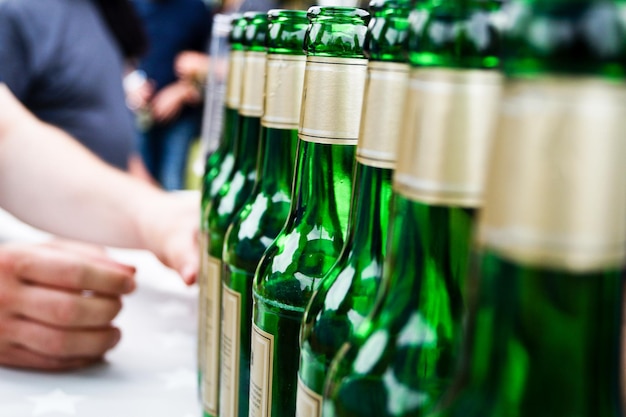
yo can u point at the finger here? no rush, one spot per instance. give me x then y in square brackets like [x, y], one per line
[95, 253]
[18, 357]
[67, 270]
[76, 247]
[59, 342]
[181, 251]
[183, 255]
[66, 309]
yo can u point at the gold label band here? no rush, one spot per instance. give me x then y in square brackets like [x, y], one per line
[230, 347]
[261, 372]
[283, 98]
[556, 190]
[381, 121]
[210, 374]
[253, 84]
[332, 100]
[450, 121]
[235, 79]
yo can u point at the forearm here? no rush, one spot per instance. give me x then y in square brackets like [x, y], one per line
[49, 180]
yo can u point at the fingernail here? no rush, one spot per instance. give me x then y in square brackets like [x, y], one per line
[189, 274]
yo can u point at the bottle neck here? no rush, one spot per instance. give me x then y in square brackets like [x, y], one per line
[544, 342]
[455, 34]
[428, 249]
[220, 171]
[577, 37]
[279, 131]
[388, 33]
[322, 182]
[275, 167]
[369, 211]
[328, 132]
[231, 119]
[246, 146]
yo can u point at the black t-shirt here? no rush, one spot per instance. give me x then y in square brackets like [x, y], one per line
[59, 58]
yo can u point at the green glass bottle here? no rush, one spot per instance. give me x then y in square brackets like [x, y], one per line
[347, 292]
[218, 167]
[232, 195]
[544, 337]
[403, 356]
[312, 238]
[265, 211]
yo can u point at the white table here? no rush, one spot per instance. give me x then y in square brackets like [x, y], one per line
[150, 373]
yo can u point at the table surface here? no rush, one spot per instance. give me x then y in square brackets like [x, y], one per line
[151, 372]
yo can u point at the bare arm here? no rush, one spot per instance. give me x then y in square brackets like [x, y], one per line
[49, 180]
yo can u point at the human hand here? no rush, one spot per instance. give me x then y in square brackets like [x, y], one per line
[57, 301]
[192, 66]
[138, 90]
[171, 230]
[169, 101]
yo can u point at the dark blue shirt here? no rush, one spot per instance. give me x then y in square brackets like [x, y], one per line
[172, 26]
[59, 58]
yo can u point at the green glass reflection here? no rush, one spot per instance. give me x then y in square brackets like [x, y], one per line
[575, 37]
[456, 34]
[403, 355]
[542, 343]
[313, 236]
[265, 211]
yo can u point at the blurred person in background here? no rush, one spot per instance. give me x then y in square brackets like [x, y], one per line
[58, 298]
[169, 106]
[65, 60]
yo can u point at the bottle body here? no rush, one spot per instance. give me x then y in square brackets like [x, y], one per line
[561, 258]
[218, 168]
[265, 211]
[347, 292]
[306, 252]
[231, 196]
[543, 336]
[408, 348]
[554, 266]
[313, 235]
[403, 355]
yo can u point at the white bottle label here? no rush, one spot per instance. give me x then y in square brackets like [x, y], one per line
[229, 366]
[210, 374]
[308, 402]
[261, 372]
